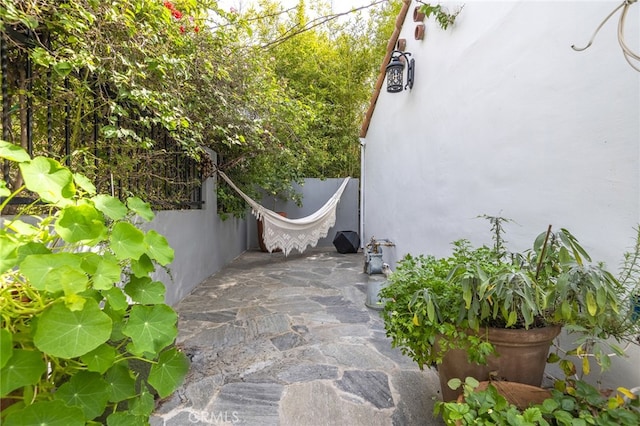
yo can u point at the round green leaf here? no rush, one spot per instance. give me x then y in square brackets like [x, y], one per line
[100, 359]
[124, 418]
[80, 223]
[50, 413]
[159, 248]
[69, 334]
[8, 253]
[48, 179]
[151, 328]
[85, 183]
[144, 291]
[69, 279]
[140, 208]
[105, 270]
[39, 269]
[116, 299]
[24, 368]
[120, 383]
[144, 404]
[142, 267]
[6, 346]
[87, 391]
[110, 206]
[32, 248]
[127, 241]
[169, 372]
[13, 152]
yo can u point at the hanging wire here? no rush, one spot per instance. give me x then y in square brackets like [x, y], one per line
[629, 54]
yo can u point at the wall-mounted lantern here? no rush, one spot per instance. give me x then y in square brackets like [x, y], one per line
[395, 71]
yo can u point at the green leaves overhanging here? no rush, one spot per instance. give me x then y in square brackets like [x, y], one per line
[69, 334]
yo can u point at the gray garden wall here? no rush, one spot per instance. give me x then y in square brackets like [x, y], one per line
[202, 242]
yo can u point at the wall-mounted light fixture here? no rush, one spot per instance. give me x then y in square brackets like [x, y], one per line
[395, 71]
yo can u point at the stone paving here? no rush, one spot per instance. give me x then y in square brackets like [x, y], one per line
[278, 340]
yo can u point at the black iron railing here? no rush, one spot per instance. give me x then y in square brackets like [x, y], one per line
[122, 154]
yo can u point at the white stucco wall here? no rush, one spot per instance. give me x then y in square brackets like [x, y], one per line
[506, 119]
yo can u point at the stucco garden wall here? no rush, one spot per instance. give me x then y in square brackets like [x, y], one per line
[506, 119]
[203, 244]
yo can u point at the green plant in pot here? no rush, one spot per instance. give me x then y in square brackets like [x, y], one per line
[577, 404]
[85, 335]
[478, 307]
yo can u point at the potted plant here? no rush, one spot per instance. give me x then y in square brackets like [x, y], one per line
[461, 306]
[85, 335]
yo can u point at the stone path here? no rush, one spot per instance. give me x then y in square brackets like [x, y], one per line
[280, 340]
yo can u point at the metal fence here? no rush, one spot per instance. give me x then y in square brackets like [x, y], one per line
[72, 120]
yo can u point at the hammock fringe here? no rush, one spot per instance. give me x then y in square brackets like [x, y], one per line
[287, 234]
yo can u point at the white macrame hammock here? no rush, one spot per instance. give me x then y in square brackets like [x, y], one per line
[287, 234]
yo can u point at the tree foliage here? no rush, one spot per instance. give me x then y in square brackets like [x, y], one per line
[277, 94]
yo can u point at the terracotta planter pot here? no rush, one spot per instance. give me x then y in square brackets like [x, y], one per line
[519, 394]
[522, 358]
[263, 247]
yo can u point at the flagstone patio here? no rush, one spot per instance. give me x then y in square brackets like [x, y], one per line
[278, 340]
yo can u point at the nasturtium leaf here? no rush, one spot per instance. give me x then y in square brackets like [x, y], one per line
[8, 253]
[6, 346]
[23, 228]
[66, 278]
[80, 223]
[159, 248]
[127, 241]
[100, 359]
[116, 299]
[151, 328]
[31, 248]
[87, 391]
[37, 268]
[74, 302]
[140, 208]
[104, 270]
[125, 418]
[120, 383]
[142, 267]
[13, 152]
[49, 413]
[169, 372]
[110, 206]
[46, 177]
[69, 334]
[85, 183]
[24, 368]
[144, 291]
[144, 404]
